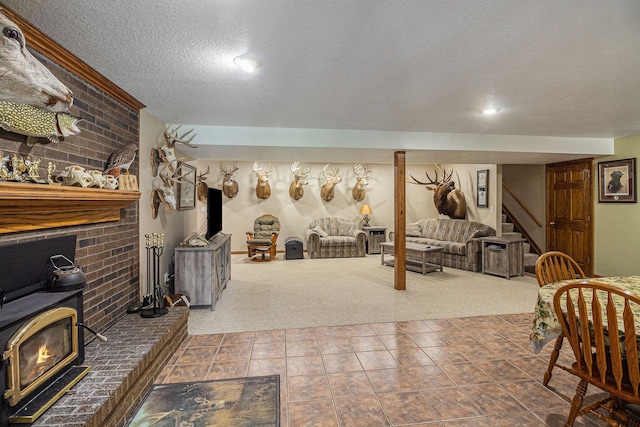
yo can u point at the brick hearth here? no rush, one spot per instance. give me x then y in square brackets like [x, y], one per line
[122, 371]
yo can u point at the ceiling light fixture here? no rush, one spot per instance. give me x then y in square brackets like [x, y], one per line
[490, 111]
[247, 63]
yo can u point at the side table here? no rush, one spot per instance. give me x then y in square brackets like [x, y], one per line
[502, 256]
[375, 236]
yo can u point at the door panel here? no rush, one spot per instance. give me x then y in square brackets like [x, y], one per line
[569, 211]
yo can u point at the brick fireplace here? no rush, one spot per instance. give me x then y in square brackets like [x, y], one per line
[137, 349]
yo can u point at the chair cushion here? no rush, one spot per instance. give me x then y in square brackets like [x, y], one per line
[259, 242]
[346, 228]
[413, 230]
[266, 225]
[320, 231]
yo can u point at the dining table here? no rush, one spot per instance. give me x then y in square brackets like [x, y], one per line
[546, 326]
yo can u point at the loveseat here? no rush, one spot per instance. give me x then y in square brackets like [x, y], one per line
[459, 239]
[334, 237]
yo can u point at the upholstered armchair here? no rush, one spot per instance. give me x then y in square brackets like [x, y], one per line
[334, 238]
[263, 237]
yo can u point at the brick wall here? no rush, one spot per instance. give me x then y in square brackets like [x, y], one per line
[108, 252]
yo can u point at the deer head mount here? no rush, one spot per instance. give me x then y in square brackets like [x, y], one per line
[296, 189]
[363, 173]
[24, 79]
[331, 178]
[448, 200]
[167, 152]
[263, 189]
[229, 184]
[201, 186]
[163, 190]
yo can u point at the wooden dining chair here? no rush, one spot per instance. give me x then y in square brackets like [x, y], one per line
[552, 267]
[598, 322]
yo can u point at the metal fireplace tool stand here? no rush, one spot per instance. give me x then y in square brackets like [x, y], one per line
[154, 244]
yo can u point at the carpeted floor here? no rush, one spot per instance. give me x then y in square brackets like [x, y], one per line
[343, 291]
[238, 402]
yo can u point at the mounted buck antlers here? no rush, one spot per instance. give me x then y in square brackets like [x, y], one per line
[263, 189]
[363, 173]
[296, 190]
[229, 185]
[447, 199]
[164, 193]
[327, 190]
[167, 152]
[201, 186]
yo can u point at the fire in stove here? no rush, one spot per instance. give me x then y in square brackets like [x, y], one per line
[38, 355]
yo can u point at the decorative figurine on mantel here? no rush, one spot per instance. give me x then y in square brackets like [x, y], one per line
[121, 160]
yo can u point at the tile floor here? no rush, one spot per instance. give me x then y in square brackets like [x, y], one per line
[475, 371]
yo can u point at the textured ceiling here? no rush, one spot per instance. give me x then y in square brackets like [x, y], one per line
[565, 68]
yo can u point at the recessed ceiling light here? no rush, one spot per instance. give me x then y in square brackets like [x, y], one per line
[490, 111]
[247, 63]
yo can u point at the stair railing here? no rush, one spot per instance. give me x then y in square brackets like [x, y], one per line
[522, 230]
[522, 205]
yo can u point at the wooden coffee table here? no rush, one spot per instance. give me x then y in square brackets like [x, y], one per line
[416, 256]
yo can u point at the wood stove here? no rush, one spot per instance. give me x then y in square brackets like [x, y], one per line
[42, 344]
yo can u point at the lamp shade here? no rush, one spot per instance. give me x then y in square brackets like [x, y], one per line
[365, 210]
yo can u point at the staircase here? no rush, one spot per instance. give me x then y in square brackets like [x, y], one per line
[530, 258]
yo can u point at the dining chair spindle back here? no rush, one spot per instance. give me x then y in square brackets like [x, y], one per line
[598, 321]
[552, 267]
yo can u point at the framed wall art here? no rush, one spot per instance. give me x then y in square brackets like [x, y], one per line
[617, 181]
[186, 186]
[482, 198]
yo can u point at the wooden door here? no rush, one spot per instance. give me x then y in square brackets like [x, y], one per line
[570, 211]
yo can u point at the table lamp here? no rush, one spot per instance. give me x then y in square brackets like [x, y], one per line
[366, 211]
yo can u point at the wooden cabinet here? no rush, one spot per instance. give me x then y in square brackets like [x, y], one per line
[375, 236]
[203, 272]
[502, 256]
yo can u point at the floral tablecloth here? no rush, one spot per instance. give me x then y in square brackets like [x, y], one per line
[546, 326]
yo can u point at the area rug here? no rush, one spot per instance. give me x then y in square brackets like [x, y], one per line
[238, 402]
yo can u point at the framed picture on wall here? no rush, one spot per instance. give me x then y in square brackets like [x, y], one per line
[617, 181]
[186, 187]
[483, 189]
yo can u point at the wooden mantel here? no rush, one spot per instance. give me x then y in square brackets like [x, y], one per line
[25, 207]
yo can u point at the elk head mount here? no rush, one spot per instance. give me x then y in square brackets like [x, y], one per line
[263, 189]
[363, 173]
[296, 189]
[331, 178]
[448, 200]
[229, 184]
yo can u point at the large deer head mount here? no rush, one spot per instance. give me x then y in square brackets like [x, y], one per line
[448, 200]
[201, 186]
[24, 79]
[167, 152]
[363, 173]
[332, 178]
[263, 189]
[296, 189]
[229, 184]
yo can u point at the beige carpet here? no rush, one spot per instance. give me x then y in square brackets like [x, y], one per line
[327, 292]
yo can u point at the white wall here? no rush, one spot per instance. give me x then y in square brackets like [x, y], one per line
[240, 212]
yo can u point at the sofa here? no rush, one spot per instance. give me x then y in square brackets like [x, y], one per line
[459, 239]
[334, 237]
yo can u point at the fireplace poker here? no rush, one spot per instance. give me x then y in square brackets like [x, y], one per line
[100, 336]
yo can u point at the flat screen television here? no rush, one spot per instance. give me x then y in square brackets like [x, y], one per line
[214, 212]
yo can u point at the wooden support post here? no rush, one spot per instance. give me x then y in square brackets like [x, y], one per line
[399, 222]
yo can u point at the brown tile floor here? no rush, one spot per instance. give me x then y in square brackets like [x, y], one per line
[476, 371]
